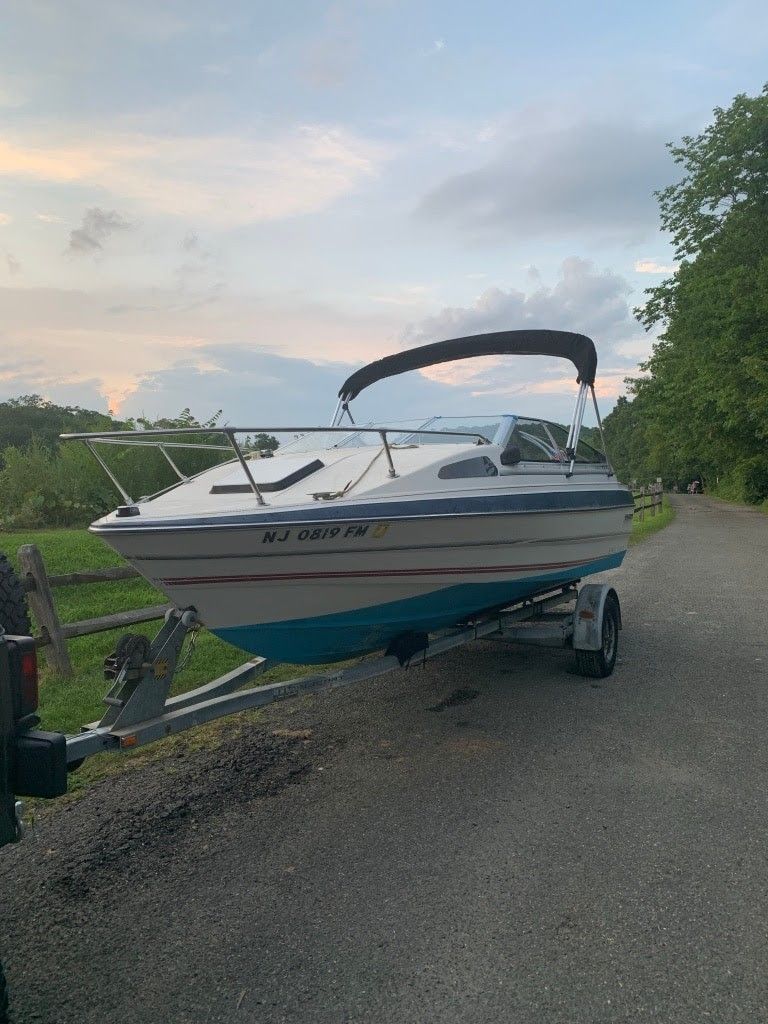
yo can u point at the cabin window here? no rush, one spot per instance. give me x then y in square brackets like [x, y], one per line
[466, 468]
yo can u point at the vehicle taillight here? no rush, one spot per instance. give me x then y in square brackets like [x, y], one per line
[29, 694]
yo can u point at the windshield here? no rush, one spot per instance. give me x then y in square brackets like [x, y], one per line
[401, 432]
[543, 441]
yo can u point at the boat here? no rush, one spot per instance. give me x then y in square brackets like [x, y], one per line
[354, 538]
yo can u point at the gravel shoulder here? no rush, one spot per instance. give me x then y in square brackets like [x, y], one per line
[488, 838]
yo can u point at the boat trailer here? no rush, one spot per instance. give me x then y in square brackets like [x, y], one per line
[140, 711]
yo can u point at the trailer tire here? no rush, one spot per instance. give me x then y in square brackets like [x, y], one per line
[14, 615]
[3, 998]
[601, 663]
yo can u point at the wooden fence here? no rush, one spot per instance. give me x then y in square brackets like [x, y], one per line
[54, 634]
[650, 500]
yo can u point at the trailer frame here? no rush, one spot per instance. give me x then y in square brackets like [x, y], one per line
[139, 710]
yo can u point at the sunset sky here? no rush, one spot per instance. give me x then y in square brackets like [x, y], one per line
[234, 204]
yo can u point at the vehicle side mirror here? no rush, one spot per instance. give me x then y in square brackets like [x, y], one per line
[511, 455]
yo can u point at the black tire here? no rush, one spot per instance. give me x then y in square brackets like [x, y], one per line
[14, 615]
[4, 1018]
[599, 664]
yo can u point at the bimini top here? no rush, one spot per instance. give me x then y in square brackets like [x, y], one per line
[576, 347]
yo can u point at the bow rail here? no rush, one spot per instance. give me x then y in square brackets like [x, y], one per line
[139, 438]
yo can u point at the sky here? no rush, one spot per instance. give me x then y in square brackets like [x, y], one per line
[232, 205]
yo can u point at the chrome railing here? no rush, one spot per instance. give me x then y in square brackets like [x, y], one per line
[138, 438]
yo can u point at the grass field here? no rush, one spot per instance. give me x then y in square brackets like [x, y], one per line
[645, 527]
[66, 704]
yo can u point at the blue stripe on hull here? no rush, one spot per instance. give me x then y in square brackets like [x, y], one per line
[328, 638]
[467, 504]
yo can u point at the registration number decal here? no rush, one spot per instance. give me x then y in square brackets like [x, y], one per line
[349, 533]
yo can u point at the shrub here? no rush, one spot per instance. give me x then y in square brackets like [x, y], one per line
[40, 487]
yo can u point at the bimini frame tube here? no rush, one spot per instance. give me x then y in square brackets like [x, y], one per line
[342, 406]
[575, 430]
[602, 433]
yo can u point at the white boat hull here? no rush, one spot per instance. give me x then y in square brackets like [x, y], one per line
[320, 591]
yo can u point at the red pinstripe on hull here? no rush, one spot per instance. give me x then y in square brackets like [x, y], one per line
[189, 581]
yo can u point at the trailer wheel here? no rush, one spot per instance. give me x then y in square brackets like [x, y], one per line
[14, 616]
[599, 664]
[3, 998]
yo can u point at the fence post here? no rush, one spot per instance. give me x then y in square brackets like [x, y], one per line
[642, 503]
[43, 608]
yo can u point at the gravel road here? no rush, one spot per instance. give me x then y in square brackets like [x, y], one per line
[488, 839]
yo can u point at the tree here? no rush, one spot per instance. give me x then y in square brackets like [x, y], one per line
[31, 417]
[726, 173]
[703, 406]
[46, 483]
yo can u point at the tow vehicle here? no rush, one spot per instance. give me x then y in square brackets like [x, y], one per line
[32, 762]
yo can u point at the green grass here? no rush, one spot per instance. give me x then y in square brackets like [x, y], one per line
[730, 493]
[643, 528]
[67, 704]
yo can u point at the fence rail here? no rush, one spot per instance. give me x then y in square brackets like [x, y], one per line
[650, 499]
[54, 633]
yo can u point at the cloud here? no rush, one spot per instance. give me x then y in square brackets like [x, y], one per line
[47, 163]
[437, 46]
[405, 295]
[224, 180]
[277, 358]
[199, 275]
[146, 21]
[49, 218]
[11, 93]
[583, 299]
[98, 225]
[118, 336]
[329, 61]
[739, 28]
[589, 178]
[652, 267]
[5, 218]
[14, 267]
[259, 388]
[638, 348]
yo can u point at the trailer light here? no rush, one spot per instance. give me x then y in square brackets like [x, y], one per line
[129, 741]
[29, 690]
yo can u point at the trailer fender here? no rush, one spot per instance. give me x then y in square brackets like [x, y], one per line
[588, 615]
